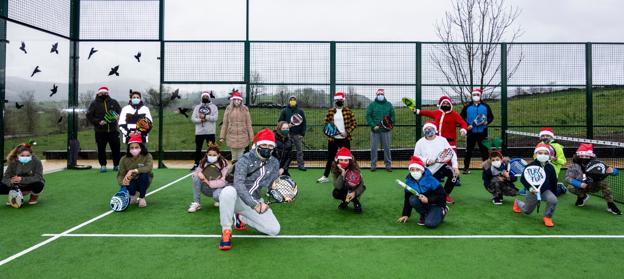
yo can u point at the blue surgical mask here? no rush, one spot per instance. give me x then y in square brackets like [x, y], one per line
[381, 98]
[429, 132]
[24, 159]
[136, 101]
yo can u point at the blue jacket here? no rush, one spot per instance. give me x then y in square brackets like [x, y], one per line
[470, 112]
[551, 177]
[427, 186]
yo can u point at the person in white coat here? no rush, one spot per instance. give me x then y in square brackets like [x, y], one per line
[205, 118]
[129, 116]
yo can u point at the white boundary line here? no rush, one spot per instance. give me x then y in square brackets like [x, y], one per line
[67, 232]
[509, 236]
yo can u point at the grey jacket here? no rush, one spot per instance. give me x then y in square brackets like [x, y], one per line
[30, 173]
[248, 187]
[212, 113]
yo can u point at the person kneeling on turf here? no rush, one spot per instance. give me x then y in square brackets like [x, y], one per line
[582, 182]
[240, 203]
[348, 183]
[430, 202]
[496, 177]
[209, 177]
[546, 189]
[135, 170]
[24, 172]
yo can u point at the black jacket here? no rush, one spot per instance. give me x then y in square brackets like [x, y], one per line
[285, 115]
[97, 110]
[283, 147]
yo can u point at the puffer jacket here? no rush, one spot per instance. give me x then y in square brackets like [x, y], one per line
[252, 174]
[236, 128]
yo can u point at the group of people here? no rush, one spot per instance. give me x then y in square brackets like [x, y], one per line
[235, 186]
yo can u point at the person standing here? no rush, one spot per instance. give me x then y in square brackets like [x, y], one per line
[129, 116]
[204, 116]
[297, 132]
[478, 115]
[104, 113]
[377, 111]
[236, 128]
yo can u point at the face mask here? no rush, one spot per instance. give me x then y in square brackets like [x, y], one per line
[24, 159]
[543, 158]
[381, 98]
[476, 98]
[284, 132]
[547, 139]
[339, 103]
[264, 153]
[205, 101]
[497, 164]
[212, 159]
[343, 165]
[135, 152]
[136, 101]
[102, 97]
[445, 108]
[429, 133]
[416, 174]
[293, 103]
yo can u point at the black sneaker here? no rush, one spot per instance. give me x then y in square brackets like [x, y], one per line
[457, 181]
[389, 170]
[357, 206]
[421, 221]
[372, 169]
[497, 201]
[580, 201]
[445, 210]
[466, 171]
[611, 207]
[343, 205]
[302, 168]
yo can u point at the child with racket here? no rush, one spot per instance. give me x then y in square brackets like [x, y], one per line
[23, 175]
[540, 180]
[437, 153]
[478, 115]
[429, 201]
[283, 148]
[348, 182]
[295, 116]
[581, 181]
[135, 170]
[547, 136]
[497, 178]
[209, 177]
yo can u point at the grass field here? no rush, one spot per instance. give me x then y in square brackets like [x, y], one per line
[73, 197]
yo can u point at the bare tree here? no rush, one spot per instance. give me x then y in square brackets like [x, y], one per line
[469, 55]
[282, 95]
[30, 111]
[152, 97]
[255, 88]
[85, 99]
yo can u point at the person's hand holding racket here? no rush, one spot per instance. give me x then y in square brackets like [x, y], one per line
[16, 179]
[349, 196]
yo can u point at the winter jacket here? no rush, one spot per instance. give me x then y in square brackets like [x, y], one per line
[560, 159]
[236, 128]
[128, 117]
[97, 109]
[211, 113]
[575, 174]
[143, 163]
[340, 183]
[551, 178]
[427, 186]
[31, 172]
[470, 112]
[248, 184]
[428, 150]
[283, 148]
[288, 112]
[488, 173]
[376, 112]
[349, 120]
[447, 123]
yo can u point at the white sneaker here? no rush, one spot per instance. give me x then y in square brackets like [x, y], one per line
[134, 199]
[323, 179]
[194, 207]
[216, 204]
[142, 202]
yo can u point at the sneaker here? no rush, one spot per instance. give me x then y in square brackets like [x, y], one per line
[323, 179]
[226, 240]
[449, 199]
[194, 167]
[216, 204]
[421, 221]
[611, 207]
[134, 199]
[357, 206]
[445, 210]
[373, 170]
[33, 200]
[343, 205]
[116, 168]
[239, 225]
[548, 222]
[103, 169]
[457, 181]
[194, 207]
[389, 169]
[522, 192]
[516, 208]
[580, 201]
[302, 168]
[466, 171]
[142, 202]
[497, 201]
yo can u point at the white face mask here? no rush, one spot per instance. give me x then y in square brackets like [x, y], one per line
[476, 98]
[212, 159]
[543, 158]
[497, 164]
[416, 174]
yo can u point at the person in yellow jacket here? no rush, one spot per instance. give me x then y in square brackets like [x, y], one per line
[558, 160]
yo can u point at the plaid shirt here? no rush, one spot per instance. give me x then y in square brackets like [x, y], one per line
[349, 120]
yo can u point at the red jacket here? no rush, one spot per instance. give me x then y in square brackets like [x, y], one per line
[447, 123]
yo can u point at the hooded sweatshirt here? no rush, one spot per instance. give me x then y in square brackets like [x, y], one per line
[212, 113]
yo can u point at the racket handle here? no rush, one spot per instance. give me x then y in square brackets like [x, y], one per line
[539, 196]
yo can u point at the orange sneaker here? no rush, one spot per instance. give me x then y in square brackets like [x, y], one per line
[548, 222]
[226, 241]
[516, 208]
[449, 199]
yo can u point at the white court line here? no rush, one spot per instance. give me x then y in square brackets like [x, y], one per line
[57, 236]
[509, 236]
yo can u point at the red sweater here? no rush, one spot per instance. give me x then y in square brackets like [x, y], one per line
[447, 123]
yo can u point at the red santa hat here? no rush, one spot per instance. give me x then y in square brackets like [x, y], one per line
[103, 89]
[586, 149]
[380, 91]
[344, 154]
[445, 98]
[264, 136]
[543, 147]
[339, 95]
[476, 91]
[430, 124]
[416, 162]
[236, 95]
[135, 139]
[547, 132]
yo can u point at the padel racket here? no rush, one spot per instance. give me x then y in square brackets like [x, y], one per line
[211, 172]
[409, 103]
[535, 176]
[144, 125]
[16, 198]
[445, 156]
[283, 189]
[407, 187]
[596, 170]
[296, 119]
[516, 166]
[110, 116]
[386, 123]
[352, 179]
[330, 130]
[480, 120]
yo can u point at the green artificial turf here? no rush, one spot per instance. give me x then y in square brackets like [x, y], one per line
[66, 204]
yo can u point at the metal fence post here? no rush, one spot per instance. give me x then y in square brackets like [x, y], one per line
[418, 95]
[503, 89]
[72, 99]
[4, 4]
[247, 61]
[161, 38]
[589, 91]
[332, 72]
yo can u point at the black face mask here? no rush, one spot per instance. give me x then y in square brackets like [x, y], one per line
[264, 153]
[445, 108]
[339, 103]
[205, 101]
[102, 97]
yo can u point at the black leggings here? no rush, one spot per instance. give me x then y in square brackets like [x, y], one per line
[112, 139]
[199, 143]
[471, 141]
[332, 149]
[446, 171]
[35, 188]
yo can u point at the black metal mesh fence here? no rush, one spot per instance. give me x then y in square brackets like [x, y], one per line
[51, 15]
[119, 20]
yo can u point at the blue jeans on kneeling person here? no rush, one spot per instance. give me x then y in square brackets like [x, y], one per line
[431, 213]
[139, 183]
